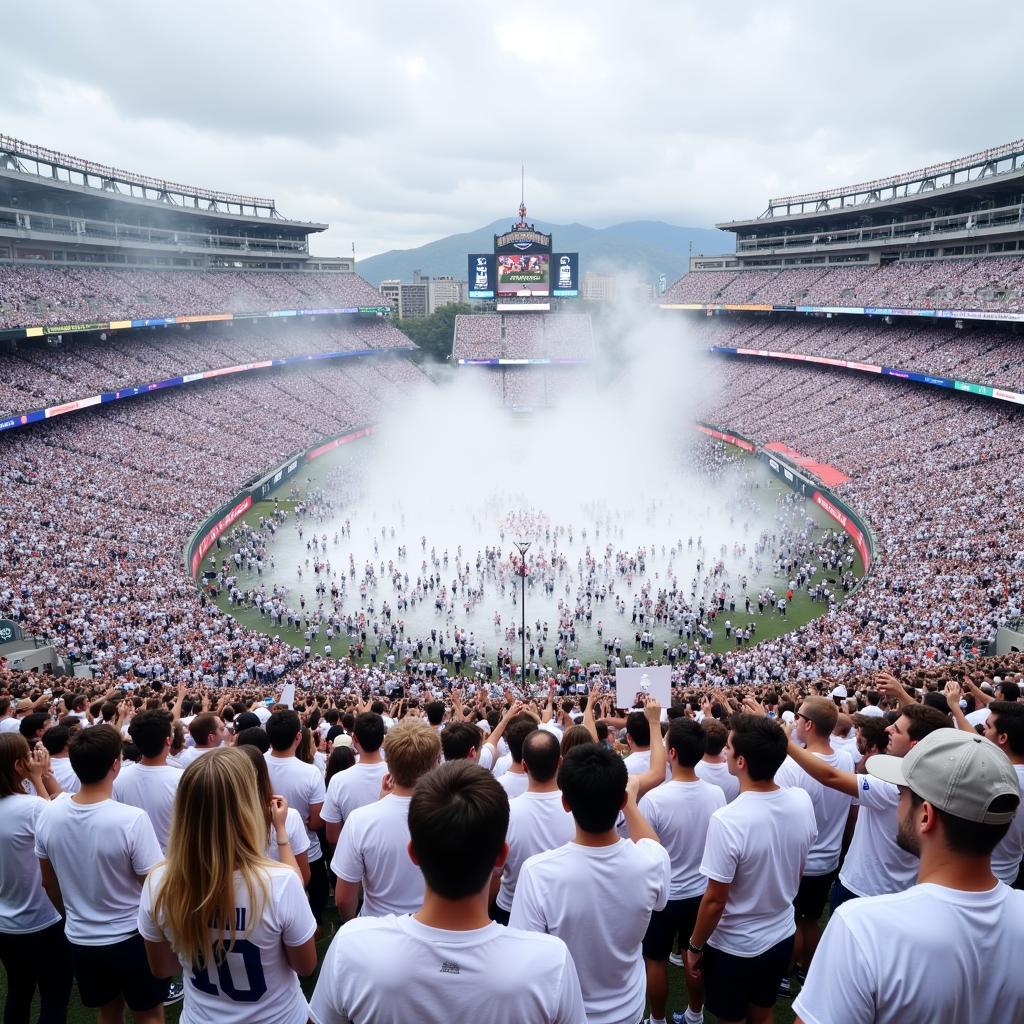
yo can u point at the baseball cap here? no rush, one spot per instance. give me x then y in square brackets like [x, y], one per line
[957, 772]
[839, 691]
[24, 705]
[246, 720]
[344, 740]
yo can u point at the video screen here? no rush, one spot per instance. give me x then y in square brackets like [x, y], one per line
[524, 275]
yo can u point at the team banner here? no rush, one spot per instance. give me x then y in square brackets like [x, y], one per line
[565, 275]
[480, 275]
[636, 684]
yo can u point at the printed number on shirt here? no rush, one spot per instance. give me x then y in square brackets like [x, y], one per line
[243, 958]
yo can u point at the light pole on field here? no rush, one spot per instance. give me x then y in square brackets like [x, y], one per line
[522, 546]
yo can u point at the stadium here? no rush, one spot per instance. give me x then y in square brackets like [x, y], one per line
[213, 442]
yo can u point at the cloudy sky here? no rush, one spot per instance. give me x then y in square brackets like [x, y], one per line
[400, 122]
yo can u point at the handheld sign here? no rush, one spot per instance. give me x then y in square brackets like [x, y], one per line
[288, 695]
[631, 683]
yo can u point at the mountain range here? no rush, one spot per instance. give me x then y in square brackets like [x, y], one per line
[644, 248]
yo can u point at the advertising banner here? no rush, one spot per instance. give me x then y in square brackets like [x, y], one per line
[480, 275]
[565, 275]
[222, 524]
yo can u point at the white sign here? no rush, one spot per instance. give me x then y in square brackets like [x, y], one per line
[288, 695]
[643, 682]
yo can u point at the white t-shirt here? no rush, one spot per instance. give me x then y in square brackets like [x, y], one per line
[190, 754]
[255, 980]
[351, 789]
[152, 789]
[24, 905]
[298, 840]
[574, 892]
[536, 822]
[927, 954]
[98, 851]
[874, 863]
[493, 974]
[1006, 857]
[680, 813]
[302, 785]
[719, 775]
[831, 810]
[65, 775]
[758, 844]
[11, 724]
[514, 783]
[503, 763]
[374, 848]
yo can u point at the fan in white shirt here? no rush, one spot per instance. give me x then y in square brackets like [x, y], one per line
[56, 740]
[456, 965]
[679, 812]
[713, 767]
[947, 948]
[373, 843]
[209, 732]
[242, 955]
[755, 853]
[1005, 728]
[513, 779]
[537, 819]
[359, 785]
[573, 891]
[152, 783]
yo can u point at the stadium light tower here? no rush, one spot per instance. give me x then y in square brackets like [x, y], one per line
[523, 546]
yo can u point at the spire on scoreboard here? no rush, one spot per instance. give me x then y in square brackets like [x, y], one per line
[522, 200]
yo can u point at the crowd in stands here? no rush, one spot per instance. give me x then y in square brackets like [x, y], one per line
[523, 336]
[39, 295]
[983, 354]
[38, 374]
[984, 283]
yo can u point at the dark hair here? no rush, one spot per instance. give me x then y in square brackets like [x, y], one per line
[55, 739]
[13, 748]
[150, 731]
[874, 730]
[516, 732]
[435, 712]
[923, 720]
[593, 781]
[688, 740]
[244, 720]
[638, 729]
[1011, 691]
[575, 736]
[31, 724]
[459, 739]
[341, 759]
[93, 752]
[282, 727]
[936, 700]
[717, 735]
[202, 727]
[77, 702]
[541, 753]
[368, 729]
[971, 838]
[458, 817]
[255, 736]
[1009, 718]
[761, 743]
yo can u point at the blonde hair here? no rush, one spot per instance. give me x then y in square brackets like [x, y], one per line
[411, 748]
[218, 827]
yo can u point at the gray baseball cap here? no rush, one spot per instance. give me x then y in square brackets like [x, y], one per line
[955, 771]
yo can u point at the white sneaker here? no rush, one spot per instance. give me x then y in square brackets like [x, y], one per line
[676, 959]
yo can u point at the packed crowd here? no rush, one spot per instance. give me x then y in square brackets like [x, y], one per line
[523, 336]
[983, 354]
[556, 858]
[987, 283]
[37, 374]
[35, 295]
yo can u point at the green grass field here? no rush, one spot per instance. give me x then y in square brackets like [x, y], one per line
[769, 625]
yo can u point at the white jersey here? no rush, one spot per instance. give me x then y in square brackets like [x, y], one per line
[874, 863]
[351, 789]
[680, 813]
[374, 849]
[302, 785]
[927, 954]
[1006, 857]
[152, 789]
[65, 775]
[255, 981]
[99, 853]
[514, 783]
[24, 905]
[719, 775]
[536, 822]
[573, 892]
[831, 810]
[758, 844]
[493, 974]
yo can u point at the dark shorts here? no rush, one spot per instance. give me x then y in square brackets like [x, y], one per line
[105, 972]
[840, 895]
[677, 919]
[812, 896]
[732, 983]
[499, 915]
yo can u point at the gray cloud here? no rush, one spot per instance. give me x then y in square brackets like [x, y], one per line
[398, 122]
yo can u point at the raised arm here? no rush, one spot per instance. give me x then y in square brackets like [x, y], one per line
[655, 774]
[952, 692]
[823, 772]
[588, 712]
